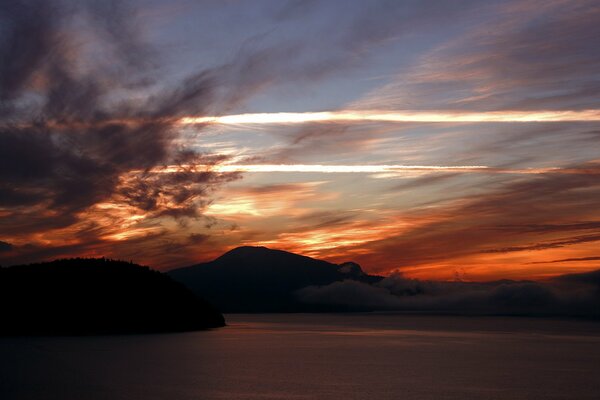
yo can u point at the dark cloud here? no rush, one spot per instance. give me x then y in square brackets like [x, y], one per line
[586, 225]
[117, 22]
[72, 135]
[28, 34]
[591, 279]
[575, 259]
[569, 295]
[5, 246]
[354, 294]
[547, 245]
[197, 238]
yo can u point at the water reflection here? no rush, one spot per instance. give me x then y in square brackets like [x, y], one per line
[315, 357]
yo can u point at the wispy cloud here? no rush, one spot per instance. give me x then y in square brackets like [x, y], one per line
[529, 55]
[466, 227]
[575, 259]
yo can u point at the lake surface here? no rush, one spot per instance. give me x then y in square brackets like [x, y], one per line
[365, 356]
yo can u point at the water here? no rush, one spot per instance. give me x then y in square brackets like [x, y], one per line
[316, 357]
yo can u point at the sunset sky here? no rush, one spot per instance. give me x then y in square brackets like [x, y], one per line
[441, 139]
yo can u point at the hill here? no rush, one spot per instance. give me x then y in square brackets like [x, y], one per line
[97, 296]
[258, 279]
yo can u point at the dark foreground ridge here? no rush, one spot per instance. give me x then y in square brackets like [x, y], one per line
[97, 296]
[258, 279]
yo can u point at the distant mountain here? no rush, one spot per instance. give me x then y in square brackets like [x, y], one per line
[258, 279]
[97, 296]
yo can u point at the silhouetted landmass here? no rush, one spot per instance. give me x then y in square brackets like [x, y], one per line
[97, 296]
[258, 279]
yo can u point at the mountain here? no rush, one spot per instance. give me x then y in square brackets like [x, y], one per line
[258, 279]
[97, 296]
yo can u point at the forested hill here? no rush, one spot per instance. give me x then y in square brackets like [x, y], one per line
[97, 296]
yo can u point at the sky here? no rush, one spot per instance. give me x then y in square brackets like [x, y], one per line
[449, 140]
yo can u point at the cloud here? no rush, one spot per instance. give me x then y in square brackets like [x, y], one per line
[507, 219]
[309, 49]
[77, 130]
[349, 293]
[85, 122]
[547, 245]
[325, 50]
[332, 235]
[569, 295]
[79, 135]
[5, 246]
[574, 259]
[264, 201]
[498, 58]
[590, 279]
[544, 228]
[496, 231]
[523, 55]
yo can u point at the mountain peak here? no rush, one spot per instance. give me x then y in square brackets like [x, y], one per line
[259, 279]
[351, 268]
[247, 250]
[256, 253]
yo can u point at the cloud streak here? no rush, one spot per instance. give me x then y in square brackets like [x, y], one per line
[397, 116]
[381, 170]
[575, 259]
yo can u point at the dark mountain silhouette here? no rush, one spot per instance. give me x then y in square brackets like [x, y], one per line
[97, 296]
[258, 279]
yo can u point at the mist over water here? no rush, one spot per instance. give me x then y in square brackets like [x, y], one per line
[301, 356]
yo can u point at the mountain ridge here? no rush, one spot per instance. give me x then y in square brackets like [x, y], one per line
[260, 279]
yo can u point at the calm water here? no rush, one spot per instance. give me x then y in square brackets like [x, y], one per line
[316, 357]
